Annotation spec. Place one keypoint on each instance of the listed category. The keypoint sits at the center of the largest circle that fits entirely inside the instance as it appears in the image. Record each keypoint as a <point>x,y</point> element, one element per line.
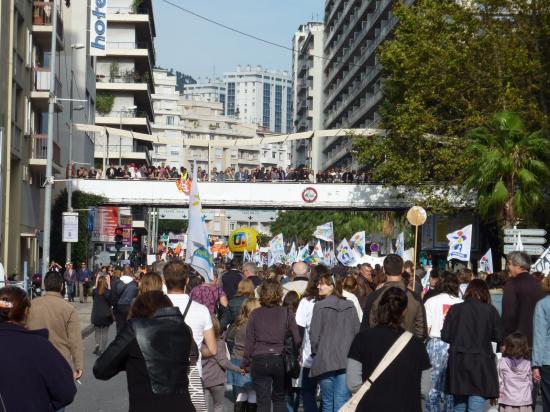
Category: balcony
<point>134,120</point>
<point>16,138</point>
<point>143,52</point>
<point>42,25</point>
<point>140,17</point>
<point>40,92</point>
<point>39,152</point>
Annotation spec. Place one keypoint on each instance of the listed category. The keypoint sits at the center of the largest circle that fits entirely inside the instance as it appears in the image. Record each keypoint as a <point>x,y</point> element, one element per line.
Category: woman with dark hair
<point>371,345</point>
<point>102,316</point>
<point>469,328</point>
<point>265,334</point>
<point>34,377</point>
<point>153,349</point>
<point>334,324</point>
<point>436,309</point>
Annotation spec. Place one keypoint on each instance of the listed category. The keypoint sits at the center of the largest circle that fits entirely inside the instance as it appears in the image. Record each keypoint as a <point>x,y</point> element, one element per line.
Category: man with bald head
<point>300,278</point>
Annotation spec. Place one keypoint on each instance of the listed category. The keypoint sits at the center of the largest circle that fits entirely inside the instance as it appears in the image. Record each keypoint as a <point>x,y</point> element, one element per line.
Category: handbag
<point>389,357</point>
<point>290,353</point>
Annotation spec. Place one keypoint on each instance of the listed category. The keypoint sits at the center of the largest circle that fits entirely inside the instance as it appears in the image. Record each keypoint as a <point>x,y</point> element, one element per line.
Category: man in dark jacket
<point>415,316</point>
<point>521,294</point>
<point>229,281</point>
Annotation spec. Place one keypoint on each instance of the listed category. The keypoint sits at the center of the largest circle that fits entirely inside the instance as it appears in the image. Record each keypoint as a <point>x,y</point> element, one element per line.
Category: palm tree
<point>508,169</point>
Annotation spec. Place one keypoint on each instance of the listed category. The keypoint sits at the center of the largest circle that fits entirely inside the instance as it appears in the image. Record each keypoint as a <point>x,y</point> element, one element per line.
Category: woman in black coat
<point>469,329</point>
<point>102,315</point>
<point>153,348</point>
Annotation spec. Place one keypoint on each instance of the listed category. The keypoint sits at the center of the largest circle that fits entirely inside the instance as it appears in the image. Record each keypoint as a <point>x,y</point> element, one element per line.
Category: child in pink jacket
<point>514,375</point>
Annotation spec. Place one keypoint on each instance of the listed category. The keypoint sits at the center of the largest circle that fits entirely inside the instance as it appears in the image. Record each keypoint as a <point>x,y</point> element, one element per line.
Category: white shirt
<point>197,318</point>
<point>351,297</point>
<point>304,313</point>
<point>436,310</point>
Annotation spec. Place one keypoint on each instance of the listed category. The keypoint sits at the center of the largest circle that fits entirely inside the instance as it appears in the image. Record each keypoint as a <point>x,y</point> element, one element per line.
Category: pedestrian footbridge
<point>269,195</point>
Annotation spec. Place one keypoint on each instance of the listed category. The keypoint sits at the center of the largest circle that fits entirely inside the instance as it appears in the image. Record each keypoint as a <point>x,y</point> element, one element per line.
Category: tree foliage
<point>173,225</point>
<point>447,70</point>
<point>80,251</point>
<point>509,168</point>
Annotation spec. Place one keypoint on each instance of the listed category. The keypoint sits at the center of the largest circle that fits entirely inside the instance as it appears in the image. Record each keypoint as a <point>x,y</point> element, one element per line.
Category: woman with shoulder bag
<point>385,358</point>
<point>265,343</point>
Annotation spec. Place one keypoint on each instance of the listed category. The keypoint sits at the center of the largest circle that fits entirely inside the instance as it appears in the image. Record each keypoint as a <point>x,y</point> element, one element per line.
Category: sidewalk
<point>84,312</point>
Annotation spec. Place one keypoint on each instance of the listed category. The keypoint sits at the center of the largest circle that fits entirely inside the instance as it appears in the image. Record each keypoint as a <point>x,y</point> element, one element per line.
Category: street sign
<point>173,214</point>
<point>529,249</point>
<point>524,232</point>
<point>525,240</point>
<point>70,227</point>
<point>126,249</point>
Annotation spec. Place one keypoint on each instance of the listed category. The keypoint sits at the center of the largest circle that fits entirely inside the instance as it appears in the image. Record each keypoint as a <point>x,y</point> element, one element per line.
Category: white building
<point>124,82</point>
<point>209,90</point>
<point>260,96</point>
<point>307,71</point>
<point>176,116</point>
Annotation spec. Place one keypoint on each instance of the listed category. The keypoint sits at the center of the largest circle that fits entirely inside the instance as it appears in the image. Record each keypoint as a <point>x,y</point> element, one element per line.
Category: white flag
<point>246,256</point>
<point>518,245</point>
<point>198,248</point>
<point>303,254</point>
<point>345,254</point>
<point>460,243</point>
<point>277,246</point>
<point>486,262</point>
<point>543,263</point>
<point>325,232</point>
<point>357,242</point>
<point>400,244</point>
<point>318,251</point>
<point>293,254</point>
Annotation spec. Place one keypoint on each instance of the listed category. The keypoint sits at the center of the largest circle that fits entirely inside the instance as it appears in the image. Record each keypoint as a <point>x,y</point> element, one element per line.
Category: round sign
<point>374,247</point>
<point>416,216</point>
<point>244,238</point>
<point>309,195</point>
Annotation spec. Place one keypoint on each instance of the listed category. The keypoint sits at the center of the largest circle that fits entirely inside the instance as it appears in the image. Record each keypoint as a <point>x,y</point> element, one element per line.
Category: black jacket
<point>34,377</point>
<point>154,352</point>
<point>469,328</point>
<point>102,314</point>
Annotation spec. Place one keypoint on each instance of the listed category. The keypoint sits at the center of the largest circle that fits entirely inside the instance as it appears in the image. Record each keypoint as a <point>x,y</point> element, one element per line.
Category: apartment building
<point>260,96</point>
<point>26,43</point>
<point>204,120</point>
<point>354,29</point>
<point>207,90</point>
<point>124,83</point>
<point>307,77</point>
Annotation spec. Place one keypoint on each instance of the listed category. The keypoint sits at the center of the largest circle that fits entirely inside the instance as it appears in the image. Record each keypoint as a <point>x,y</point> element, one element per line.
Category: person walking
<point>230,280</point>
<point>334,324</point>
<point>514,375</point>
<point>436,310</point>
<point>521,294</point>
<point>61,319</point>
<point>34,376</point>
<point>300,274</point>
<point>265,334</point>
<point>102,315</point>
<point>125,291</point>
<point>70,280</point>
<point>540,361</point>
<point>249,272</point>
<point>84,277</point>
<point>469,329</point>
<point>372,344</point>
<point>153,349</point>
<point>245,291</point>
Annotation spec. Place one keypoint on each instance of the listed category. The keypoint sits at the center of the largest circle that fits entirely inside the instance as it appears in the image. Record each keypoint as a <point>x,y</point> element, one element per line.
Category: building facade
<point>307,76</point>
<point>352,94</point>
<point>260,96</point>
<point>124,83</point>
<point>26,30</point>
<point>209,90</point>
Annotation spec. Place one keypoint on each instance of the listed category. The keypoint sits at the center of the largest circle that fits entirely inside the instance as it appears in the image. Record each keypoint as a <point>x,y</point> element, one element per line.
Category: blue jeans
<point>437,350</point>
<point>334,391</point>
<point>309,392</point>
<point>472,403</point>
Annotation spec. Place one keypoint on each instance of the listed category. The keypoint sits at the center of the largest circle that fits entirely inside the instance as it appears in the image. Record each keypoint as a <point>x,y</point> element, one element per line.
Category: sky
<point>199,48</point>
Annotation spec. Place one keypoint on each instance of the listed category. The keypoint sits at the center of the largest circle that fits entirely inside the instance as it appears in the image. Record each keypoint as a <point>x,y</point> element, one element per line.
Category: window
<point>230,99</point>
<point>278,107</point>
<point>169,120</point>
<point>267,105</point>
<point>273,155</point>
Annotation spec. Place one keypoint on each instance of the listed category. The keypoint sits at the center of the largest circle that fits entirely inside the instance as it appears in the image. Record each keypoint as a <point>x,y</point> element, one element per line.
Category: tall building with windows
<point>354,29</point>
<point>207,90</point>
<point>124,83</point>
<point>260,96</point>
<point>307,77</point>
<point>26,30</point>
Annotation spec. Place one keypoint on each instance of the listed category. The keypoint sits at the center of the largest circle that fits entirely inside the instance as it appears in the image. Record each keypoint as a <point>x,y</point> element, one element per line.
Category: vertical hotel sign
<point>98,27</point>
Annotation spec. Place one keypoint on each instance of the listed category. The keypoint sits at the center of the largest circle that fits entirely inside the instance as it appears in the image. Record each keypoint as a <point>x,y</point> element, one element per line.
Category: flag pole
<point>414,256</point>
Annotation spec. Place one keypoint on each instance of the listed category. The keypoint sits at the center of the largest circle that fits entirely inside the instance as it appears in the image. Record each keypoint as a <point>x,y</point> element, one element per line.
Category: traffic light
<point>136,243</point>
<point>118,238</point>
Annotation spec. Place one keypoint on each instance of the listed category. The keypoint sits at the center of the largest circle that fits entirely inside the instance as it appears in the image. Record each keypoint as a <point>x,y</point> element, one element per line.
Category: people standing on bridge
<point>34,376</point>
<point>334,324</point>
<point>153,349</point>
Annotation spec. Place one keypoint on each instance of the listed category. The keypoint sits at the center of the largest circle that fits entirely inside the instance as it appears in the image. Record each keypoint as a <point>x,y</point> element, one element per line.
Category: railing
<point>127,114</point>
<point>41,81</point>
<point>127,45</point>
<point>127,10</point>
<point>126,77</point>
<point>42,16</point>
<point>39,148</point>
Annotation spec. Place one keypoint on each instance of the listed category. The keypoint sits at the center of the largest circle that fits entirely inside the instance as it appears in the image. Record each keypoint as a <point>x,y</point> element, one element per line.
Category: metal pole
<point>49,153</point>
<point>2,233</point>
<point>68,246</point>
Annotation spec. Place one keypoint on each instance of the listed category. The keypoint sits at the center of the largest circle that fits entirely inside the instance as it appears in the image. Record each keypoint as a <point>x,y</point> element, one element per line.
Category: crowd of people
<point>285,338</point>
<point>241,174</point>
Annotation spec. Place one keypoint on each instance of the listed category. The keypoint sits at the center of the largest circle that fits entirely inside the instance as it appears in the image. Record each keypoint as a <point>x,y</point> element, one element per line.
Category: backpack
<point>127,294</point>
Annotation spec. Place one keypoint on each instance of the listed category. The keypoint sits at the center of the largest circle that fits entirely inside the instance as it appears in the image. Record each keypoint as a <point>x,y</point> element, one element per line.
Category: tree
<point>172,225</point>
<point>509,168</point>
<point>447,70</point>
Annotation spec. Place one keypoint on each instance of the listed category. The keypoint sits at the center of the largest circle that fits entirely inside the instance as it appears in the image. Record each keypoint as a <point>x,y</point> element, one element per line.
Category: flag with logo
<point>293,254</point>
<point>345,254</point>
<point>318,250</point>
<point>246,256</point>
<point>198,247</point>
<point>357,242</point>
<point>328,257</point>
<point>486,262</point>
<point>460,244</point>
<point>303,254</point>
<point>325,232</point>
<point>277,246</point>
<point>400,244</point>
